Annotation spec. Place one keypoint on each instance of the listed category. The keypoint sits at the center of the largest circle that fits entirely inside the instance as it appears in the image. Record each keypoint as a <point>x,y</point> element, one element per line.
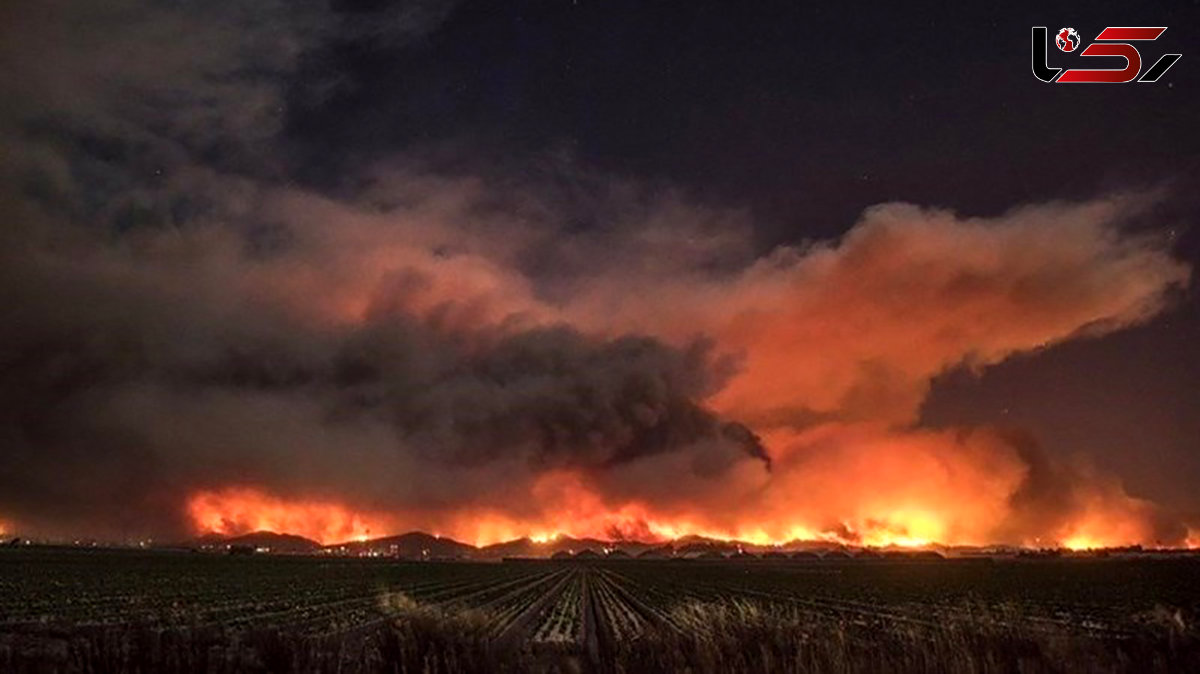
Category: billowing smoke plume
<point>189,341</point>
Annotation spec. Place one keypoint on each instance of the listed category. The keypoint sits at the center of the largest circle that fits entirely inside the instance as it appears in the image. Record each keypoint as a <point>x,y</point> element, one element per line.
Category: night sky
<point>789,118</point>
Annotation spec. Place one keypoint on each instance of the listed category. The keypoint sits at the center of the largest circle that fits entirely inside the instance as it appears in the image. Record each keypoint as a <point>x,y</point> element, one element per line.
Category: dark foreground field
<point>123,611</point>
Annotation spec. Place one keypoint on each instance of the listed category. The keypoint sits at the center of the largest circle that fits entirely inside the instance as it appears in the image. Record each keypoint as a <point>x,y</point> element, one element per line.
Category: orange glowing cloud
<point>856,329</point>
<point>371,265</point>
<point>838,343</point>
<point>883,486</point>
<point>835,346</point>
<point>1108,517</point>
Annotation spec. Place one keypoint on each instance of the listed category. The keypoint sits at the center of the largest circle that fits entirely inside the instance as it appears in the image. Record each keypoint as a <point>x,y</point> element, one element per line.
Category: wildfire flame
<point>239,510</point>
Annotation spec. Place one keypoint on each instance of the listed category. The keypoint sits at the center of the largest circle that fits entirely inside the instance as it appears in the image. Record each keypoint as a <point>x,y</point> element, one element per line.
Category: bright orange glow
<point>566,504</point>
<point>906,529</point>
<point>573,509</point>
<point>1090,535</point>
<point>240,510</point>
<point>236,511</point>
<point>1109,518</point>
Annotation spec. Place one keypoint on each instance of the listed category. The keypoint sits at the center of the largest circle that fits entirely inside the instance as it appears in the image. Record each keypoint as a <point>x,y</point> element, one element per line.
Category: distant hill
<point>271,541</point>
<point>421,545</point>
<point>204,541</point>
<point>520,547</point>
<point>692,545</point>
<point>412,545</point>
<point>635,548</point>
<point>525,547</point>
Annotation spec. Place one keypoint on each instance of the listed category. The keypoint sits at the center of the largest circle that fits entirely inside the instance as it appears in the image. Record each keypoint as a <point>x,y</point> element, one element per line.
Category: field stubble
<point>110,611</point>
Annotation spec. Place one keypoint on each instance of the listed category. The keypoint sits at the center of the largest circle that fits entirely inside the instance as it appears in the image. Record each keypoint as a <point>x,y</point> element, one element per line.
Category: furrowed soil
<point>74,610</point>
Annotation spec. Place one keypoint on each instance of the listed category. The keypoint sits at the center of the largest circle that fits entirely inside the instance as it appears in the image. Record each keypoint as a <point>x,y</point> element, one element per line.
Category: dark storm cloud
<point>124,113</point>
<point>567,400</point>
<point>112,101</point>
<point>105,346</point>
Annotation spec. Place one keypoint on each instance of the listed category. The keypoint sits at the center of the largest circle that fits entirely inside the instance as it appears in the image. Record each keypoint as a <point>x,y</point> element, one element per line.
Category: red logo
<point>1067,39</point>
<point>1112,41</point>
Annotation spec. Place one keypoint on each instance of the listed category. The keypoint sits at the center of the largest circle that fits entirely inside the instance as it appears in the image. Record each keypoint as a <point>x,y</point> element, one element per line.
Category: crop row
<point>593,608</point>
<point>838,603</point>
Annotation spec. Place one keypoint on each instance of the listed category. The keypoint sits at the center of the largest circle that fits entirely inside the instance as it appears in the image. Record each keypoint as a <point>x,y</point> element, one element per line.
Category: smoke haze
<point>191,341</point>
